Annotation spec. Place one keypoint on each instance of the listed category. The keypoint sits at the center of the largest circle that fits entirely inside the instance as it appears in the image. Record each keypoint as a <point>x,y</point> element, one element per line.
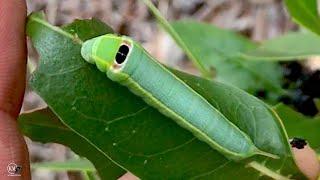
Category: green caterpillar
<point>127,63</point>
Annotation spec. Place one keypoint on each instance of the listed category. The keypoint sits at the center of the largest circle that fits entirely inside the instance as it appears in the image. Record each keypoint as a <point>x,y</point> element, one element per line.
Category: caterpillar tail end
<point>273,156</point>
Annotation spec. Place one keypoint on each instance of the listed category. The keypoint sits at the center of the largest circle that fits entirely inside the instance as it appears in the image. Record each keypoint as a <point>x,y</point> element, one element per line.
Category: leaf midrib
<point>57,29</point>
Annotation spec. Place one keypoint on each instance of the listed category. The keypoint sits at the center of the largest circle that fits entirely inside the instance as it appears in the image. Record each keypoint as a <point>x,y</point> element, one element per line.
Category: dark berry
<point>285,99</point>
<point>292,71</point>
<point>298,143</point>
<point>311,86</point>
<point>305,104</point>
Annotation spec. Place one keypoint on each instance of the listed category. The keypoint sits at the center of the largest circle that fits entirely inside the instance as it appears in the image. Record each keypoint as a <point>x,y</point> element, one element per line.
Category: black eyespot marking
<point>124,49</point>
<point>120,58</point>
<point>122,54</point>
<point>298,143</point>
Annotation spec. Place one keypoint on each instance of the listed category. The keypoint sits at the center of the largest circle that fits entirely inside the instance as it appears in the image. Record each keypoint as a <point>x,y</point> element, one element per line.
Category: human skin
<point>13,52</point>
<point>13,55</point>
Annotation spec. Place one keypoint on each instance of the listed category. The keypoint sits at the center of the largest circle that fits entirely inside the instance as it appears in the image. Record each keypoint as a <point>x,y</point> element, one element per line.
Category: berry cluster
<point>303,86</point>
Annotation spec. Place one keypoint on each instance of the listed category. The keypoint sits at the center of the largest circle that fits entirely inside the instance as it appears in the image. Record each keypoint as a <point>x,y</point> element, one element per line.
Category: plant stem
<point>169,29</point>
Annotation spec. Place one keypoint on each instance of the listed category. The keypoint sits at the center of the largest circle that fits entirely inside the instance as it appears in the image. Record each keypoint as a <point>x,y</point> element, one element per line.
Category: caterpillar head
<point>107,51</point>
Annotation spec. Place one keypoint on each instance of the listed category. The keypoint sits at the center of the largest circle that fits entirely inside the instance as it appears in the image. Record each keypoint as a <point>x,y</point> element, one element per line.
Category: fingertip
<point>305,158</point>
<point>13,149</point>
<point>128,176</point>
<point>12,55</point>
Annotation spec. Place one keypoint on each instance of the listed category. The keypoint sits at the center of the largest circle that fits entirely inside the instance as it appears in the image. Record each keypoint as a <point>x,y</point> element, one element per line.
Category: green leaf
<point>139,138</point>
<point>305,13</point>
<point>167,27</point>
<point>289,47</point>
<point>42,125</point>
<point>298,125</point>
<point>220,49</point>
<point>70,165</point>
<point>88,28</point>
